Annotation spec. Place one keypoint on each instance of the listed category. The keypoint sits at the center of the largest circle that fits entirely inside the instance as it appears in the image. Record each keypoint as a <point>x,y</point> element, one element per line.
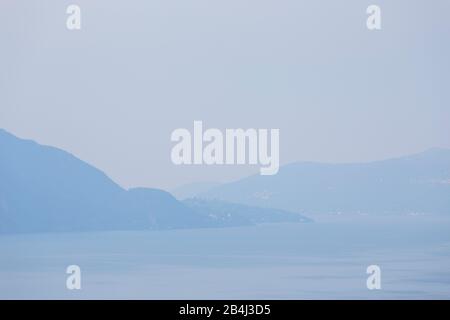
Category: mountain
<point>415,184</point>
<point>45,189</point>
<point>233,214</point>
<point>190,190</point>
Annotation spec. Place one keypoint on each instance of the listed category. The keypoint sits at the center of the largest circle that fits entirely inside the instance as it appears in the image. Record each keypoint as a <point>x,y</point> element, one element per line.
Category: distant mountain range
<point>416,184</point>
<point>192,189</point>
<point>232,214</point>
<point>44,189</point>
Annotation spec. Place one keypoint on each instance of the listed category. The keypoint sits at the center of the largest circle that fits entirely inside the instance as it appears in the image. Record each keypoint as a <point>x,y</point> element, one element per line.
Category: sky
<point>112,92</point>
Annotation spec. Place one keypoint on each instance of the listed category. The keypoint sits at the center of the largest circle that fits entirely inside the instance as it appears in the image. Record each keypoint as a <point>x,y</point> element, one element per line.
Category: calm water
<point>326,259</point>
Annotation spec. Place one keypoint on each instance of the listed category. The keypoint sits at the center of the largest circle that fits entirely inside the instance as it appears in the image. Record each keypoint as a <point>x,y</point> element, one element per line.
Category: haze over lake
<point>224,149</point>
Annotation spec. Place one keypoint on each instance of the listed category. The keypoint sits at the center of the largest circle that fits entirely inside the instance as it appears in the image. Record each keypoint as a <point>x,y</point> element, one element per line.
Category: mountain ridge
<point>409,184</point>
<point>43,188</point>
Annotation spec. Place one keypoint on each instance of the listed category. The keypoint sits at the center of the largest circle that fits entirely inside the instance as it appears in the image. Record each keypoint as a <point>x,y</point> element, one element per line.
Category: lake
<point>326,259</point>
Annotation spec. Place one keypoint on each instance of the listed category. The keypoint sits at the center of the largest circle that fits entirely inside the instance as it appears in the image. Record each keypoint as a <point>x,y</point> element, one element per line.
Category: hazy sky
<point>113,92</point>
